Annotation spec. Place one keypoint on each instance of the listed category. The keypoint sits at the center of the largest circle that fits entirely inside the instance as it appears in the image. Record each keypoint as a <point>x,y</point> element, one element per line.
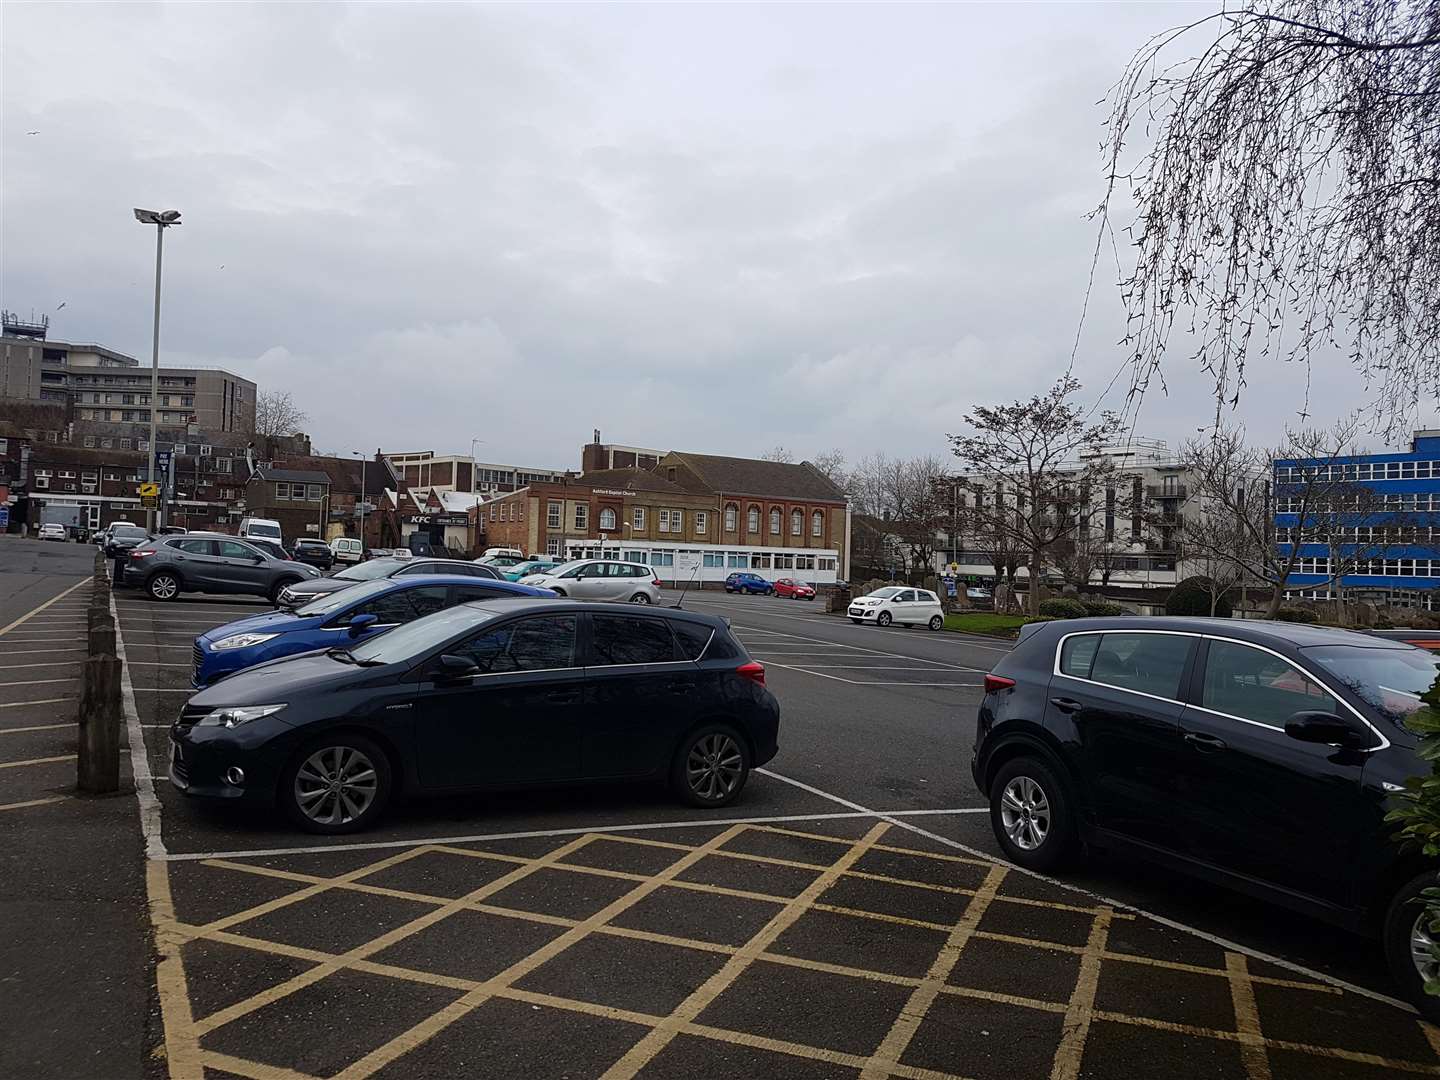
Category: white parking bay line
<point>41,701</point>
<point>34,652</point>
<point>40,682</point>
<point>867,682</point>
<point>156,663</point>
<point>48,663</point>
<point>164,689</point>
<point>321,849</point>
<point>878,652</point>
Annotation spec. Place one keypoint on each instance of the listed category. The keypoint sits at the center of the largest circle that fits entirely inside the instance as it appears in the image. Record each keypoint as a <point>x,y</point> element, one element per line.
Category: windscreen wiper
<point>341,654</point>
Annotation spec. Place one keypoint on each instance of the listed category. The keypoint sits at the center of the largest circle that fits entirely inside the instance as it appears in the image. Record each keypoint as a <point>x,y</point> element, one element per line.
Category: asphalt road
<point>845,918</point>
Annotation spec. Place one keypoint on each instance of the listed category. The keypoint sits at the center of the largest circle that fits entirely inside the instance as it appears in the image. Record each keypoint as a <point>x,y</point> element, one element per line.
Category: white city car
<point>898,604</point>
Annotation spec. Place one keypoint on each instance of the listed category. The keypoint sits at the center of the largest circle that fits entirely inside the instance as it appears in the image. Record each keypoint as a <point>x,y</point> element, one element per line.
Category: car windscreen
<point>564,568</point>
<point>367,571</point>
<point>1392,680</point>
<point>414,639</point>
<point>268,531</point>
<point>886,593</point>
<point>129,532</point>
<point>331,602</point>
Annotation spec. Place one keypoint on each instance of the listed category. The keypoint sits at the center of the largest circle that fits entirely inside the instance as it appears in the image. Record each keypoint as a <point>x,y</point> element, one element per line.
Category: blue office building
<point>1400,574</point>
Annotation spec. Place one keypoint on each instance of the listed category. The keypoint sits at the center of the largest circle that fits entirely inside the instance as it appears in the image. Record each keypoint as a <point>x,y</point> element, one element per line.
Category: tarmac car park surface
<point>846,917</point>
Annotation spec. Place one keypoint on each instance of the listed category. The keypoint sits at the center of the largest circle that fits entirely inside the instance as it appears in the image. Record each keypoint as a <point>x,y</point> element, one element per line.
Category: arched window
<point>817,523</point>
<point>797,522</point>
<point>607,519</point>
<point>752,519</point>
<point>732,517</point>
<point>775,521</point>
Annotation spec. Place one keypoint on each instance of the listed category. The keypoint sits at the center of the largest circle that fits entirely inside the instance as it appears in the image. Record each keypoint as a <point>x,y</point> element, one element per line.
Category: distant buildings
<point>1393,553</point>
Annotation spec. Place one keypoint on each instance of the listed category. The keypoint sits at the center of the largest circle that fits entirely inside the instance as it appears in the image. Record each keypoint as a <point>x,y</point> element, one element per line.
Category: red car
<point>796,590</point>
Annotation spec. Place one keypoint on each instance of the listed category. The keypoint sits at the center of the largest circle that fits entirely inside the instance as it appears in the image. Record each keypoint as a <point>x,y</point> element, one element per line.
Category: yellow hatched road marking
<point>1247,1017</point>
<point>1081,1010</point>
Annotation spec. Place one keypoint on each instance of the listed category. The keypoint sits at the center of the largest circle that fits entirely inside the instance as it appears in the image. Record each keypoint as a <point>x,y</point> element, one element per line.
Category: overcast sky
<point>710,228</point>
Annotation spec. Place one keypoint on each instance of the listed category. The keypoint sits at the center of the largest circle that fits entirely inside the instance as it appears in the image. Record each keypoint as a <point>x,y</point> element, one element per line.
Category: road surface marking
<point>36,610</point>
<point>41,701</point>
<point>39,682</point>
<point>1080,1012</point>
<point>35,727</point>
<point>36,761</point>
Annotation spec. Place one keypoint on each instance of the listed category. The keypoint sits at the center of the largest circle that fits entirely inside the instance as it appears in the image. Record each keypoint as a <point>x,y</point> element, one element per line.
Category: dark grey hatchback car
<point>1262,756</point>
<point>166,566</point>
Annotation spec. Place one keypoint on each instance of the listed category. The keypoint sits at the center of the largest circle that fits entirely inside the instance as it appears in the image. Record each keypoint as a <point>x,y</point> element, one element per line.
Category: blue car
<point>340,618</point>
<point>748,583</point>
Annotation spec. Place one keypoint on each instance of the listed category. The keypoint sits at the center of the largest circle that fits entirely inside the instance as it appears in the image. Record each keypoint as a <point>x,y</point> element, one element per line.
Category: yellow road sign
<point>149,491</point>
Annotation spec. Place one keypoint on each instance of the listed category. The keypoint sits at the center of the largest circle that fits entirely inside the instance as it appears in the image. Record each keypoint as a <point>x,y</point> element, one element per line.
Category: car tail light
<point>140,553</point>
<point>754,671</point>
<point>656,583</point>
<point>994,683</point>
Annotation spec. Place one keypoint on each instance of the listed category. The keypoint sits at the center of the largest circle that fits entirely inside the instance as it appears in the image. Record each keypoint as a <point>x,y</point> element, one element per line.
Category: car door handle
<point>1065,704</point>
<point>563,697</point>
<point>1206,744</point>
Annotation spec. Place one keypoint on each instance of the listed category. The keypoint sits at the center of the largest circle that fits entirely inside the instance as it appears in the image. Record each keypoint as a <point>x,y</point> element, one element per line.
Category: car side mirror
<point>453,668</point>
<point>360,623</point>
<point>1327,728</point>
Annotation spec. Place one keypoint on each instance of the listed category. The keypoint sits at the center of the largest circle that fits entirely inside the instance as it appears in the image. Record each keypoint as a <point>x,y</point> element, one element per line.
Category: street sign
<point>149,502</point>
<point>149,490</point>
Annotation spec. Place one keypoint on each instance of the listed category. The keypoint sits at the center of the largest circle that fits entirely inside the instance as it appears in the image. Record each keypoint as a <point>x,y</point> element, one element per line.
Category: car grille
<point>188,717</point>
<point>178,769</point>
<point>197,658</point>
<point>287,597</point>
<point>858,610</point>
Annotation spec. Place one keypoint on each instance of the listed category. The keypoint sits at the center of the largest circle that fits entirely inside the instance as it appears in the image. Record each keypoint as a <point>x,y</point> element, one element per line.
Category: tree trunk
<point>1277,599</point>
<point>1034,598</point>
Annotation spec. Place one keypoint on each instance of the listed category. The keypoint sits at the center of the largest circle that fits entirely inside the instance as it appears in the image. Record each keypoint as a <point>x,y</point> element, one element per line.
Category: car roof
<point>1260,631</point>
<point>526,592</point>
<point>523,605</point>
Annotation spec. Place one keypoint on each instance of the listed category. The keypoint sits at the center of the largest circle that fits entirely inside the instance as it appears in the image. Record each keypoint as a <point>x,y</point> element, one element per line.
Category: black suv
<point>166,566</point>
<point>1263,756</point>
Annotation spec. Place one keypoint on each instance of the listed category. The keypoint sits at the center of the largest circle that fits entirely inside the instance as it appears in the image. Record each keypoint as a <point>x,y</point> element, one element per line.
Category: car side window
<point>389,609</point>
<point>194,547</point>
<point>414,569</point>
<point>428,600</point>
<point>528,645</point>
<point>623,639</point>
<point>466,593</point>
<point>1147,663</point>
<point>906,597</point>
<point>1256,685</point>
<point>229,549</point>
<point>1077,654</point>
<point>926,597</point>
<point>692,638</point>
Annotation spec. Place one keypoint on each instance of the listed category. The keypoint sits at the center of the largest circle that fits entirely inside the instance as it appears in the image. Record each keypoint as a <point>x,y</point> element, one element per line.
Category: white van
<point>261,529</point>
<point>514,553</point>
<point>347,549</point>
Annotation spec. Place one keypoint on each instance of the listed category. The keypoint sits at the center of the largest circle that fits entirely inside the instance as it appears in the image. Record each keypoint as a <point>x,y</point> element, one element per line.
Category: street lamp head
<point>157,217</point>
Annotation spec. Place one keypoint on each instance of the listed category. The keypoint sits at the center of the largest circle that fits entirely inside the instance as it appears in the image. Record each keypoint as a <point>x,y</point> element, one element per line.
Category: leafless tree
<point>871,486</point>
<point>778,453</point>
<point>832,463</point>
<point>1305,487</point>
<point>1287,192</point>
<point>1030,455</point>
<point>276,414</point>
<point>920,490</point>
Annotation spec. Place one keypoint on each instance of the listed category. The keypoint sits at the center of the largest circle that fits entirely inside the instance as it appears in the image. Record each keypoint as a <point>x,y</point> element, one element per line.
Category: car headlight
<point>311,570</point>
<point>235,715</point>
<point>241,641</point>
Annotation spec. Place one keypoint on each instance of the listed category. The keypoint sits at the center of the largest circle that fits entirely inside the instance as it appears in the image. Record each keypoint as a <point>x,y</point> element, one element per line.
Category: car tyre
<point>711,766</point>
<point>360,767</point>
<point>883,619</point>
<point>162,586</point>
<point>1030,814</point>
<point>937,622</point>
<point>640,598</point>
<point>1403,935</point>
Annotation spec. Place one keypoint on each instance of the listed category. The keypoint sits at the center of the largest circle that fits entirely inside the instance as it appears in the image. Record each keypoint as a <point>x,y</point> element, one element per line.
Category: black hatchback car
<point>491,694</point>
<point>304,591</point>
<point>1263,756</point>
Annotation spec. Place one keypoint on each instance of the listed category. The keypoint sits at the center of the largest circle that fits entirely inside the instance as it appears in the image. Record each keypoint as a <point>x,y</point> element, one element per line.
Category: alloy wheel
<point>1025,813</point>
<point>640,598</point>
<point>163,587</point>
<point>1422,950</point>
<point>336,785</point>
<point>714,766</point>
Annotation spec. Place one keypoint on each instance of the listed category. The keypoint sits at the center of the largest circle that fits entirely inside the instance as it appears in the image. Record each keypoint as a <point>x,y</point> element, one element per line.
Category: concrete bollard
<point>99,756</point>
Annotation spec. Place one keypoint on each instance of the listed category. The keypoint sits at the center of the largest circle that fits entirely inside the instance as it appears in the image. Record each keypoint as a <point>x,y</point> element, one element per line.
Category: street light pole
<point>475,491</point>
<point>362,502</point>
<point>162,220</point>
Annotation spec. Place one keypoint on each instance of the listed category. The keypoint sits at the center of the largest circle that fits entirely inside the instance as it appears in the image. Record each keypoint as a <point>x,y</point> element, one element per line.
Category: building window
<point>492,513</point>
<point>107,444</point>
<point>817,523</point>
<point>664,520</point>
<point>552,517</point>
<point>677,521</point>
<point>204,450</point>
<point>112,476</point>
<point>752,519</point>
<point>552,547</point>
<point>775,522</point>
<point>582,516</point>
<point>732,517</point>
<point>637,517</point>
<point>797,522</point>
<point>702,521</point>
<point>315,492</point>
<point>826,563</point>
<point>90,442</point>
<point>607,519</point>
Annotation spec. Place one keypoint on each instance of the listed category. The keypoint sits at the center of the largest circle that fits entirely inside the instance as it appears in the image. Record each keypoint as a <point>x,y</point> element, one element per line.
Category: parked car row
<point>747,583</point>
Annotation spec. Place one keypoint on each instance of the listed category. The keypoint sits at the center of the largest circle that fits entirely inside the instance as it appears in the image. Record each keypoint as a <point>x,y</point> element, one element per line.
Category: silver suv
<point>166,566</point>
<point>600,579</point>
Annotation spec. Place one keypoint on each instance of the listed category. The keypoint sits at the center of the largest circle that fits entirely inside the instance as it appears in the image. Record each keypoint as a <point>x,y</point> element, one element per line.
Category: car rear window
<point>693,637</point>
<point>1145,663</point>
<point>1392,680</point>
<point>624,639</point>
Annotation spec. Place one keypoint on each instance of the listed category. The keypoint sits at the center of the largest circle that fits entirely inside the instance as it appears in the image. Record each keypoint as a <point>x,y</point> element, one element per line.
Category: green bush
<point>1296,614</point>
<point>1063,607</point>
<point>1102,608</point>
<point>1192,597</point>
